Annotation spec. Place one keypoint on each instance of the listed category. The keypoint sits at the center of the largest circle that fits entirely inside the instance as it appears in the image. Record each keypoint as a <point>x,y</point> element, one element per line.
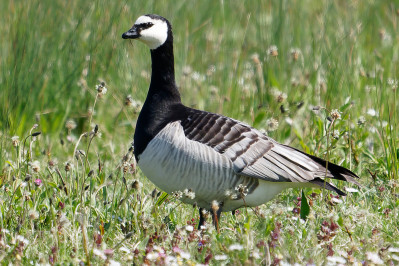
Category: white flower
<point>372,112</point>
<point>221,257</point>
<point>189,193</point>
<point>15,141</point>
<point>335,134</point>
<point>272,50</point>
<point>152,256</point>
<point>22,239</point>
<point>101,89</point>
<point>351,190</point>
<point>185,255</point>
<point>33,214</point>
<point>114,263</point>
<point>189,228</point>
<point>335,114</point>
<point>374,258</point>
<point>99,254</point>
<point>70,124</point>
<point>35,166</point>
<point>242,189</point>
<point>272,124</point>
<point>361,120</point>
<point>235,247</point>
<point>336,260</point>
<point>177,194</point>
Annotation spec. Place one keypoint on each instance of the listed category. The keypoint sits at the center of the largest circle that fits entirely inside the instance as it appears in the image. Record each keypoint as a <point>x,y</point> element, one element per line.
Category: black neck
<point>163,72</point>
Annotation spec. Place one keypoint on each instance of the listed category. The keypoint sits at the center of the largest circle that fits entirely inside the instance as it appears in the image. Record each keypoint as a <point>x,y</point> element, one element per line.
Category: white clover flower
<point>242,189</point>
<point>189,228</point>
<point>152,256</point>
<point>177,194</point>
<point>372,112</point>
<point>272,124</point>
<point>221,257</point>
<point>335,134</point>
<point>374,258</point>
<point>189,193</point>
<point>22,239</point>
<point>185,255</point>
<point>235,247</point>
<point>99,254</point>
<point>393,83</point>
<point>361,120</point>
<point>101,89</point>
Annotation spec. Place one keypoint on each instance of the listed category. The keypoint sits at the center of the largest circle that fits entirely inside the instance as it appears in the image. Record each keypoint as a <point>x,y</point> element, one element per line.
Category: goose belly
<point>175,163</point>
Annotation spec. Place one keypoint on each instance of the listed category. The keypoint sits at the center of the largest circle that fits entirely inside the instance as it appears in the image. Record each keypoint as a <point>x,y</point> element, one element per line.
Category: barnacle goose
<point>223,161</point>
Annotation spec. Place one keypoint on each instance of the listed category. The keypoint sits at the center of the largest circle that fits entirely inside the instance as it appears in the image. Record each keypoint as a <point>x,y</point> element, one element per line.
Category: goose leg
<point>216,218</point>
<point>202,218</point>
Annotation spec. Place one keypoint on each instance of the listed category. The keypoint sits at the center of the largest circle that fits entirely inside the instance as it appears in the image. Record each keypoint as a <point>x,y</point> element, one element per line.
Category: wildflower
<point>177,194</point>
<point>152,256</point>
<point>99,254</point>
<point>272,50</point>
<point>109,253</point>
<point>185,255</point>
<point>22,239</point>
<point>374,258</point>
<point>281,97</point>
<point>235,247</point>
<point>372,112</point>
<point>70,124</point>
<point>393,83</point>
<point>15,141</point>
<point>35,166</point>
<point>335,134</point>
<point>33,214</point>
<point>52,163</point>
<point>189,193</point>
<point>136,184</point>
<point>38,182</point>
<point>272,124</point>
<point>221,257</point>
<point>187,70</point>
<point>335,114</point>
<point>215,205</point>
<point>242,189</point>
<point>189,228</point>
<point>101,89</point>
<point>129,101</point>
<point>68,166</point>
<point>361,120</point>
<point>295,53</point>
<point>231,195</point>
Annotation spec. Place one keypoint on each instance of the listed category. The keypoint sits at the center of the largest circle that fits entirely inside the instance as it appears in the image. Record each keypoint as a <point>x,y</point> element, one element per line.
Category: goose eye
<point>146,25</point>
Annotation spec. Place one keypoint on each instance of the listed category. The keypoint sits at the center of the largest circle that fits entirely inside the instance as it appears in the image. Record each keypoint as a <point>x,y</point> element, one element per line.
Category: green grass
<point>53,54</point>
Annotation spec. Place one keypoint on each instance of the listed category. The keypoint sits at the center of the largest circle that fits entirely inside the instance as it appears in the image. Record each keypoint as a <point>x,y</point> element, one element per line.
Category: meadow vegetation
<point>321,76</point>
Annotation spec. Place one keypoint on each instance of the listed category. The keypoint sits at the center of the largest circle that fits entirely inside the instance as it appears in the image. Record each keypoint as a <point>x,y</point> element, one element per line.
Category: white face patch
<point>155,35</point>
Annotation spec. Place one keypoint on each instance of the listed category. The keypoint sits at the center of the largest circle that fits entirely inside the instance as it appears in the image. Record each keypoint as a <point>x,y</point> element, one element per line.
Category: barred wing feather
<point>256,155</point>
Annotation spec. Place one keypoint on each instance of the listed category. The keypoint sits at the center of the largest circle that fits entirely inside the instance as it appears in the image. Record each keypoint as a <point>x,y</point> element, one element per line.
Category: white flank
<point>175,163</point>
<point>154,36</point>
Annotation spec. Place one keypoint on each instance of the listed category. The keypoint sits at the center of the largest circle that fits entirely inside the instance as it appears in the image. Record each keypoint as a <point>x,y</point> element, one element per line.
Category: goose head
<point>153,30</point>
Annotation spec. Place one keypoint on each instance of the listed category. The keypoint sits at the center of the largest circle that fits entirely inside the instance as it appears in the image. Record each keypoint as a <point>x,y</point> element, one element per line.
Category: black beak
<point>131,34</point>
